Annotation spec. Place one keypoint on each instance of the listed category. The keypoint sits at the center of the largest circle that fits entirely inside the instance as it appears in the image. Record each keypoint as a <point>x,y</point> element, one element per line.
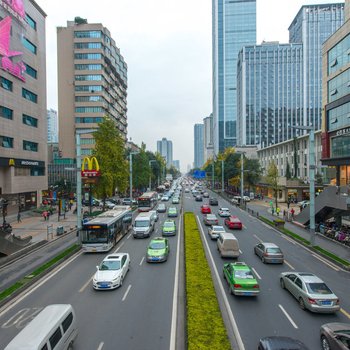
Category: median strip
<point>205,326</point>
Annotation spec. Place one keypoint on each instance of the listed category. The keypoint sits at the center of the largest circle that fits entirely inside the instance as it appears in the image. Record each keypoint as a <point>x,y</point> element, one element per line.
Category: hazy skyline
<point>167,46</point>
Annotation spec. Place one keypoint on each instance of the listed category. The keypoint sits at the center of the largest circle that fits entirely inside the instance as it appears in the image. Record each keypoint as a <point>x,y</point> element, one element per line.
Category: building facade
<point>52,126</point>
<point>176,164</point>
<point>312,26</point>
<point>208,137</point>
<point>198,145</point>
<point>23,127</point>
<point>165,149</point>
<point>92,83</point>
<point>269,98</point>
<point>336,103</point>
<point>233,26</point>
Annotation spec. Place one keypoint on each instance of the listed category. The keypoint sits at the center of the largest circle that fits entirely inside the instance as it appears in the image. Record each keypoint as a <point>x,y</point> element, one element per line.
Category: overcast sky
<point>167,46</point>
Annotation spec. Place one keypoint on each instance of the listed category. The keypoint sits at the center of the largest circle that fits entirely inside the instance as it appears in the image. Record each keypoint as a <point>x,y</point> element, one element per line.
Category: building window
<point>31,71</point>
<point>92,98</point>
<point>28,95</point>
<point>30,21</point>
<point>90,77</point>
<point>87,141</point>
<point>6,84</point>
<point>6,113</point>
<point>30,146</point>
<point>88,66</point>
<point>87,45</point>
<point>37,171</point>
<point>31,121</point>
<point>88,109</point>
<point>6,142</point>
<point>86,152</point>
<point>88,88</point>
<point>29,45</point>
<point>88,34</point>
<point>88,120</point>
<point>88,56</point>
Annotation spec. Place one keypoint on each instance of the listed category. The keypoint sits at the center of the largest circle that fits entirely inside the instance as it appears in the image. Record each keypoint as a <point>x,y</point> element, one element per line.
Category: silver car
<point>310,291</point>
<point>214,231</point>
<point>269,253</point>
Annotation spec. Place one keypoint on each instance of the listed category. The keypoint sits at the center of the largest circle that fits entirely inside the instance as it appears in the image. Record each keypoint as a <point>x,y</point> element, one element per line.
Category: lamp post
<point>150,174</point>
<point>130,168</point>
<point>222,176</point>
<point>78,149</point>
<point>312,167</point>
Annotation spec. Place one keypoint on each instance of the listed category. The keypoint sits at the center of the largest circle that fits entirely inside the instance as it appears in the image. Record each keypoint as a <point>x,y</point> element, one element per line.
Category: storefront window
<point>340,146</point>
<point>344,175</point>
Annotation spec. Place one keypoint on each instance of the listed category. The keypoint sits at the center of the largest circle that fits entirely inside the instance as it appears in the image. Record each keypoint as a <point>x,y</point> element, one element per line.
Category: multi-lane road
<point>142,313</point>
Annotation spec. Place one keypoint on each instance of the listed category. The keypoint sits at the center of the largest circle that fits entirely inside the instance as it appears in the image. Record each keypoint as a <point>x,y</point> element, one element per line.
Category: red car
<point>233,223</point>
<point>205,209</point>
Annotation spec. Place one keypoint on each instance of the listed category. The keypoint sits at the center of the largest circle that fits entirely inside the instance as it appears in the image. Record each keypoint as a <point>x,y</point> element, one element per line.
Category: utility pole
<point>222,176</point>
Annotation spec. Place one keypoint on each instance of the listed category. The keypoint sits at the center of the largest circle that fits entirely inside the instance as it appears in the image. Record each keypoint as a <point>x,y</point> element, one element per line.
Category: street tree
<point>252,172</point>
<point>272,179</point>
<point>140,169</point>
<point>109,151</point>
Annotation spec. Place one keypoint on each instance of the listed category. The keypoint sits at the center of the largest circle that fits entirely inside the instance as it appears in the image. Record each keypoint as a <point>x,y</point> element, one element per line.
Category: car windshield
<point>110,265</point>
<point>172,210</point>
<point>318,288</point>
<point>224,209</point>
<point>157,245</point>
<point>161,206</point>
<point>211,217</point>
<point>244,274</point>
<point>168,224</point>
<point>218,228</point>
<point>273,250</point>
<point>144,223</point>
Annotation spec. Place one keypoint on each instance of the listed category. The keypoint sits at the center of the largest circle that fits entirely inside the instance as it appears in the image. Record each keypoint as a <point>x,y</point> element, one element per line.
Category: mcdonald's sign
<point>90,167</point>
<point>11,162</point>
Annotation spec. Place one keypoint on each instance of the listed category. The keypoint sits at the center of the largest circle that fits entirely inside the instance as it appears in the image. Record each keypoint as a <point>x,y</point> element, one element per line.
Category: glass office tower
<point>312,26</point>
<point>198,145</point>
<point>234,26</point>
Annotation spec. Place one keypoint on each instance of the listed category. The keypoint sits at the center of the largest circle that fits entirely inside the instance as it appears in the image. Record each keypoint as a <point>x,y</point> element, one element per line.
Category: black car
<point>278,343</point>
<point>213,201</point>
<point>199,198</point>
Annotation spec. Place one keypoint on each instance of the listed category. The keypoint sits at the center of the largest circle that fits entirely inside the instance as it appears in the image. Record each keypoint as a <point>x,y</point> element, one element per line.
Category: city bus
<point>101,233</point>
<point>147,201</point>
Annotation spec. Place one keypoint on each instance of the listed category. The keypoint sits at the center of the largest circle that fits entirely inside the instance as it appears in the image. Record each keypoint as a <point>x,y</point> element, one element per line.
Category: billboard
<point>199,174</point>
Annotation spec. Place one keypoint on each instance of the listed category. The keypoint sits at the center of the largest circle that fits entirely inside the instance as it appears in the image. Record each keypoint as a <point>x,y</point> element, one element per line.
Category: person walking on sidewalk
<point>45,215</point>
<point>278,211</point>
<point>272,210</point>
<point>292,212</point>
<point>19,217</point>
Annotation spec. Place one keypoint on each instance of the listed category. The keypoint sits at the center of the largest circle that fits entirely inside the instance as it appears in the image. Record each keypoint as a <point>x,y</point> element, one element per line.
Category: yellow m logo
<point>11,162</point>
<point>89,164</point>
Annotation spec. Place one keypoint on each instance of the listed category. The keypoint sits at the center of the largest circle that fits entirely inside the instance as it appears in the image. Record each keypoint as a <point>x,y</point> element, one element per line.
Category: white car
<point>214,231</point>
<point>111,272</point>
<point>224,212</point>
<point>165,198</point>
<point>246,198</point>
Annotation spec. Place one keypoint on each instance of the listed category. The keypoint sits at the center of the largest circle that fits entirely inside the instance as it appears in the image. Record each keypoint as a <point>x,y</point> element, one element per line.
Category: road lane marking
<point>227,305</point>
<point>288,317</point>
<point>143,258</point>
<point>257,275</point>
<point>240,252</point>
<point>175,296</point>
<point>325,262</point>
<point>289,240</point>
<point>259,239</point>
<point>101,345</point>
<point>129,236</point>
<point>86,284</point>
<point>288,264</point>
<point>121,244</point>
<point>126,293</point>
<point>345,313</point>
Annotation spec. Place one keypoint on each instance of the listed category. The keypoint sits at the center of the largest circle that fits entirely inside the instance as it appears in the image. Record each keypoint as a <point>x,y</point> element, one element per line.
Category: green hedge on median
<point>205,326</point>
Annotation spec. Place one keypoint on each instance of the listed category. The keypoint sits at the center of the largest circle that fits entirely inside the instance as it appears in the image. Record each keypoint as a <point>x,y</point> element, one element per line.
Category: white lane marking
<point>175,296</point>
<point>86,284</point>
<point>244,226</point>
<point>228,308</point>
<point>287,263</point>
<point>129,236</point>
<point>143,258</point>
<point>260,240</point>
<point>289,240</point>
<point>101,345</point>
<point>326,262</point>
<point>22,296</point>
<point>126,293</point>
<point>240,252</point>
<point>121,244</point>
<point>257,275</point>
<point>287,315</point>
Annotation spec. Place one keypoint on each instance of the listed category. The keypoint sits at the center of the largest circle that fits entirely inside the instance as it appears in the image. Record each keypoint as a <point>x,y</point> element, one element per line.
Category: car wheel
<point>282,283</point>
<point>121,281</point>
<point>324,343</point>
<point>263,260</point>
<point>231,290</point>
<point>301,303</point>
<point>224,275</point>
<point>70,346</point>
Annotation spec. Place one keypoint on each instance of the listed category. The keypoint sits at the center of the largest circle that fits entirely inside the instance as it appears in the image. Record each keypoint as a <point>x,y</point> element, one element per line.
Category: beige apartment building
<point>23,126</point>
<point>92,83</point>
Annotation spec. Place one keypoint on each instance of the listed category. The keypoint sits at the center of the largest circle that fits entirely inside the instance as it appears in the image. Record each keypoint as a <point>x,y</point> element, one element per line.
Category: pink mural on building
<point>17,6</point>
<point>16,69</point>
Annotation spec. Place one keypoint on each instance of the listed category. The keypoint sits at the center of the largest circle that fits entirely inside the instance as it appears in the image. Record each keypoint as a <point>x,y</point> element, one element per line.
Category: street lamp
<point>130,168</point>
<point>312,167</point>
<point>150,174</point>
<point>242,174</point>
<point>222,176</point>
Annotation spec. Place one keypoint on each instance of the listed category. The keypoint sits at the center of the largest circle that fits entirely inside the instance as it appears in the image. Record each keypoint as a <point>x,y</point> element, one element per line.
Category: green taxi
<point>172,212</point>
<point>158,250</point>
<point>241,279</point>
<point>169,228</point>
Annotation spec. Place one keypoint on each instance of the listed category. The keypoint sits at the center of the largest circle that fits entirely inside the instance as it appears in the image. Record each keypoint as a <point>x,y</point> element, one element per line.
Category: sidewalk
<point>263,207</point>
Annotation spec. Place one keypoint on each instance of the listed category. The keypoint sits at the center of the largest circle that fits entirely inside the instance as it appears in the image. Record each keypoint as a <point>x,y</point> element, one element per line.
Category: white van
<point>55,327</point>
<point>228,246</point>
<point>143,225</point>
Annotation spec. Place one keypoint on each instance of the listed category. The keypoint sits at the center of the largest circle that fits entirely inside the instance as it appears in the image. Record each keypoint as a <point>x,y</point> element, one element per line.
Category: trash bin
<point>59,230</point>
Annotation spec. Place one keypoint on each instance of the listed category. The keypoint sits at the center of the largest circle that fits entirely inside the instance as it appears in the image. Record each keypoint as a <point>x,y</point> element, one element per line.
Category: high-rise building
<point>23,128</point>
<point>233,26</point>
<point>269,90</point>
<point>312,26</point>
<point>176,164</point>
<point>92,83</point>
<point>52,126</point>
<point>198,145</point>
<point>208,137</point>
<point>165,149</point>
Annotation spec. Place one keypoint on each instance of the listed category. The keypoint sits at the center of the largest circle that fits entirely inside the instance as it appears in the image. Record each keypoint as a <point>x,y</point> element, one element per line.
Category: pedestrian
<point>278,211</point>
<point>272,210</point>
<point>292,212</point>
<point>45,215</point>
<point>19,217</point>
<point>284,213</point>
<point>288,203</point>
<point>48,216</point>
